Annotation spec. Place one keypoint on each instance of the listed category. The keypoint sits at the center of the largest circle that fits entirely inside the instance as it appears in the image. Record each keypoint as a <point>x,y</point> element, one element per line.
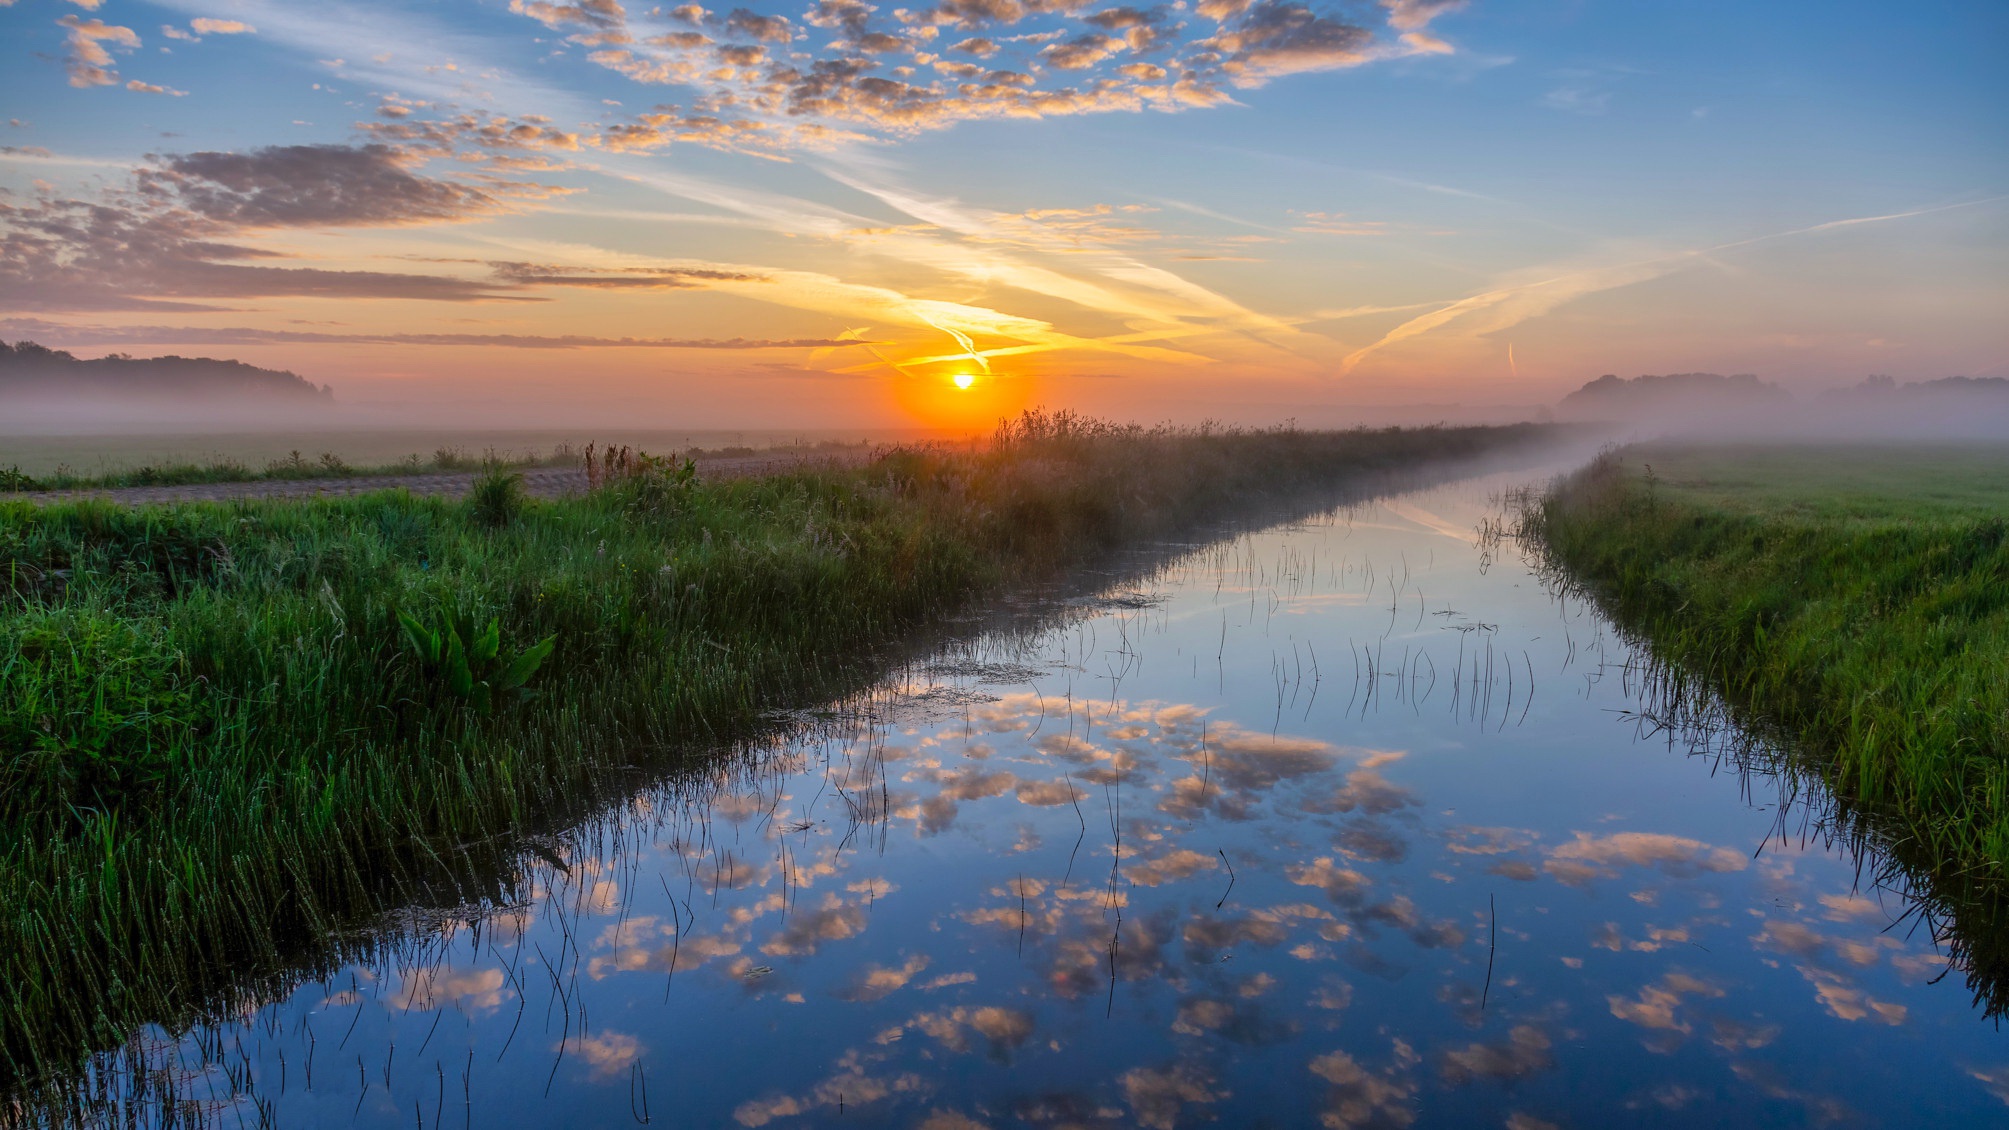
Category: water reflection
<point>1171,858</point>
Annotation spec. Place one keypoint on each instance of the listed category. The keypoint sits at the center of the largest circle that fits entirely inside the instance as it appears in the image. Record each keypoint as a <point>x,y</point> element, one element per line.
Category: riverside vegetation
<point>1854,599</point>
<point>230,732</point>
<point>296,467</point>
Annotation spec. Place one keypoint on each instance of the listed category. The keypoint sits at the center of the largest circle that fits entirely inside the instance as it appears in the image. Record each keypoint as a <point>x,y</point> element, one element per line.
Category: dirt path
<point>541,482</point>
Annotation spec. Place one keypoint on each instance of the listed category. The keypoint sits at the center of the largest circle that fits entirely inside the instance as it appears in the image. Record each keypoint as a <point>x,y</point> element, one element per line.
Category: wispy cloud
<point>59,333</point>
<point>1509,305</point>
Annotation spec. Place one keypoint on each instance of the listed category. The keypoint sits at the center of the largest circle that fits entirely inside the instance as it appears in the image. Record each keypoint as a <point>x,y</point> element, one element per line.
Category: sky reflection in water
<point>1326,826</point>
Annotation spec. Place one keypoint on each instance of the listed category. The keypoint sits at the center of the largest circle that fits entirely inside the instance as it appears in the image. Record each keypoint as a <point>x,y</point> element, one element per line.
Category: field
<point>1855,600</point>
<point>64,462</point>
<point>386,692</point>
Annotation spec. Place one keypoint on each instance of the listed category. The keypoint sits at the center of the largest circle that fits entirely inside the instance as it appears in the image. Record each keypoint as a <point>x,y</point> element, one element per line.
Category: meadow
<point>68,462</point>
<point>1851,600</point>
<point>231,732</point>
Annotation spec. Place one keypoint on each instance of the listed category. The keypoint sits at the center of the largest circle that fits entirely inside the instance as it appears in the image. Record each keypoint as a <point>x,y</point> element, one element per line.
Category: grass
<point>1856,599</point>
<point>293,466</point>
<point>311,670</point>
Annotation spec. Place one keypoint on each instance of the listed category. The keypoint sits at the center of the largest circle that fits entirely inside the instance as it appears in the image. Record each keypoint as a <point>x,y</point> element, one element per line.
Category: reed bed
<point>225,738</point>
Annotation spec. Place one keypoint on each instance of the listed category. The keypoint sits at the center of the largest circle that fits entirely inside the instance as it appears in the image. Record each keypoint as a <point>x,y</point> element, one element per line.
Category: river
<point>1350,822</point>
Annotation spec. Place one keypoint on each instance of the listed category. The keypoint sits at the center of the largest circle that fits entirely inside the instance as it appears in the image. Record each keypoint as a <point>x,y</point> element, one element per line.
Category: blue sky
<point>834,211</point>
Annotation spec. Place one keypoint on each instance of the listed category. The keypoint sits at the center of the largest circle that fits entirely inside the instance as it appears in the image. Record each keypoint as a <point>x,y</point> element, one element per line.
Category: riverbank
<point>373,692</point>
<point>1856,598</point>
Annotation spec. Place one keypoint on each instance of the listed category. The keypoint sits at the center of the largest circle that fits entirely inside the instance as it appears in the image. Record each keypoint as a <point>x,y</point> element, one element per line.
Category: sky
<point>834,213</point>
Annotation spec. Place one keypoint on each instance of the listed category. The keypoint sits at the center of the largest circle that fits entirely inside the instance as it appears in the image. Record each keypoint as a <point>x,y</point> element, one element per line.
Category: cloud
<point>806,931</point>
<point>1276,38</point>
<point>877,981</point>
<point>177,233</point>
<point>149,88</point>
<point>745,24</point>
<point>1336,223</point>
<point>1657,1007</point>
<point>441,137</point>
<point>1004,1030</point>
<point>203,25</point>
<point>1588,857</point>
<point>1845,1001</point>
<point>197,335</point>
<point>481,990</point>
<point>609,1052</point>
<point>136,254</point>
<point>89,62</point>
<point>1158,1096</point>
<point>1359,1098</point>
<point>1342,885</point>
<point>618,278</point>
<point>1416,15</point>
<point>1524,1052</point>
<point>314,186</point>
<point>758,79</point>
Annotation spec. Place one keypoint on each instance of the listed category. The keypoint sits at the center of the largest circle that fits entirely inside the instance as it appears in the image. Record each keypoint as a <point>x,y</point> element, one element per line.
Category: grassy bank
<point>220,740</point>
<point>1855,598</point>
<point>296,467</point>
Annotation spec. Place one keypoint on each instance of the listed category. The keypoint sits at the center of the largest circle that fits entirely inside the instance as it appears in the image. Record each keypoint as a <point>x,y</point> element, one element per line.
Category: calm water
<point>1338,824</point>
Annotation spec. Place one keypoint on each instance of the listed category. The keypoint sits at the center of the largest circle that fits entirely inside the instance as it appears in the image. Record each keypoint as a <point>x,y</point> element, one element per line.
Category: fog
<point>1708,406</point>
<point>95,414</point>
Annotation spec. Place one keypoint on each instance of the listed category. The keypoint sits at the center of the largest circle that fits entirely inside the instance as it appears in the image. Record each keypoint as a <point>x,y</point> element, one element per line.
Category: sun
<point>964,380</point>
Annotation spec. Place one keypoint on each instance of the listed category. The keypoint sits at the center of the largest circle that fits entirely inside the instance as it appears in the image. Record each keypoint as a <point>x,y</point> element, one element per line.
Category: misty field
<point>1855,598</point>
<point>68,462</point>
<point>380,693</point>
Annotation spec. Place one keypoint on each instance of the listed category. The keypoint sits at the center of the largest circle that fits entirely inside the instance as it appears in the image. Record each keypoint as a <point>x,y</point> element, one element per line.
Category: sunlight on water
<point>1350,823</point>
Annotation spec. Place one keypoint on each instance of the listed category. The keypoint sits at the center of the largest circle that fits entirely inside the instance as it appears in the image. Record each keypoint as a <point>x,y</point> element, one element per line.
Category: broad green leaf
<point>485,645</point>
<point>459,679</point>
<point>424,640</point>
<point>525,665</point>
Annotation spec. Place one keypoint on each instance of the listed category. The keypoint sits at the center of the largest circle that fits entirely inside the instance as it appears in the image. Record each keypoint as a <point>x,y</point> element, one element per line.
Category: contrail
<point>963,339</point>
<point>1621,275</point>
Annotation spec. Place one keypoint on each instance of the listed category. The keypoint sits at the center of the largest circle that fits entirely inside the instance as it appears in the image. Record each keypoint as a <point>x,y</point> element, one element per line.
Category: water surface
<point>1347,823</point>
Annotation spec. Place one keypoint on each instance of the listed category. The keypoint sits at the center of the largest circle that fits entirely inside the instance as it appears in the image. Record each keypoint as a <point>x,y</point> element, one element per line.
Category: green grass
<point>1838,483</point>
<point>221,742</point>
<point>99,457</point>
<point>290,467</point>
<point>294,466</point>
<point>1856,599</point>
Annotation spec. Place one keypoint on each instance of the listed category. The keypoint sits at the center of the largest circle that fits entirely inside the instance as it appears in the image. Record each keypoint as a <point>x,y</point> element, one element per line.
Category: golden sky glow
<point>840,214</point>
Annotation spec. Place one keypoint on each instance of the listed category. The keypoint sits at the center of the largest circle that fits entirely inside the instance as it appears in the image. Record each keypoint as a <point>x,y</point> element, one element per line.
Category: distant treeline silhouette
<point>1949,405</point>
<point>1614,390</point>
<point>31,370</point>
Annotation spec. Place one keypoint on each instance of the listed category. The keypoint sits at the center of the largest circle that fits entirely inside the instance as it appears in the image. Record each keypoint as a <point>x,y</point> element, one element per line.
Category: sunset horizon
<point>862,216</point>
<point>1004,564</point>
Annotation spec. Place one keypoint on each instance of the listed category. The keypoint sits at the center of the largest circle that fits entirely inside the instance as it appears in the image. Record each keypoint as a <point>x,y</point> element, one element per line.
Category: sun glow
<point>964,380</point>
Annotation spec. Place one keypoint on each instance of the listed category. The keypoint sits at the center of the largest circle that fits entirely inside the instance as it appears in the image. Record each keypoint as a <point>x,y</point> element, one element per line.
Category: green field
<point>1854,598</point>
<point>228,731</point>
<point>1854,484</point>
<point>68,462</point>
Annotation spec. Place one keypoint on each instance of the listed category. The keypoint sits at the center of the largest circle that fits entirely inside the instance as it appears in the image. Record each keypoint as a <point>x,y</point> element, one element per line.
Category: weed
<point>475,670</point>
<point>496,498</point>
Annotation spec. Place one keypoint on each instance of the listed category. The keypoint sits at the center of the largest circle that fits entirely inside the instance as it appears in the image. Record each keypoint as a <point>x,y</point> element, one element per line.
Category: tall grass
<point>219,742</point>
<point>1876,644</point>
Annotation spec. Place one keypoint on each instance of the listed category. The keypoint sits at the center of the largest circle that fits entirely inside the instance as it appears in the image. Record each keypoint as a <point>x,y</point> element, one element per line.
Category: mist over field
<point>1709,406</point>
